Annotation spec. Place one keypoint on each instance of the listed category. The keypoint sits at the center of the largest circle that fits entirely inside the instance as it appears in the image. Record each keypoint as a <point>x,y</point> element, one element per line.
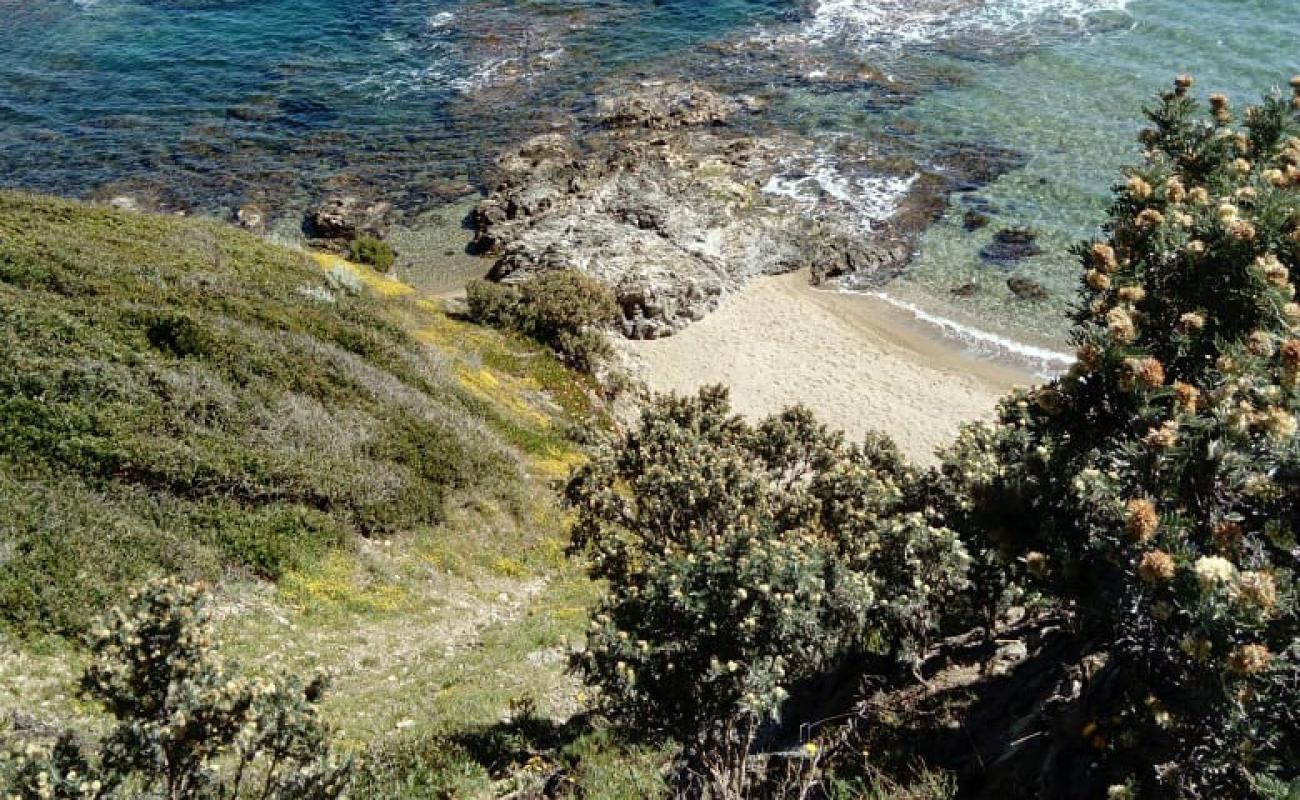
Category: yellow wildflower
<point>1250,659</point>
<point>1257,589</point>
<point>1214,570</point>
<point>1139,188</point>
<point>1149,218</point>
<point>1121,326</point>
<point>1132,294</point>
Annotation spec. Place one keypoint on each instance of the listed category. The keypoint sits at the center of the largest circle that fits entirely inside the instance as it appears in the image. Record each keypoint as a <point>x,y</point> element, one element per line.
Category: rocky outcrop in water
<point>661,107</point>
<point>339,219</point>
<point>1027,289</point>
<point>1010,245</point>
<point>674,208</point>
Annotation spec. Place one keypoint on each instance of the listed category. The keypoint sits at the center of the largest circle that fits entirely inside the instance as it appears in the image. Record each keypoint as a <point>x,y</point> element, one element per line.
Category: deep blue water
<point>217,99</point>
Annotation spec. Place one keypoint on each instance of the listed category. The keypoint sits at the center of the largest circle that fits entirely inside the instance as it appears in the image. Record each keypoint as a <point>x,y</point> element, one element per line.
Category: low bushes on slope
<point>180,396</point>
<point>564,309</point>
<point>744,564</point>
<point>187,723</point>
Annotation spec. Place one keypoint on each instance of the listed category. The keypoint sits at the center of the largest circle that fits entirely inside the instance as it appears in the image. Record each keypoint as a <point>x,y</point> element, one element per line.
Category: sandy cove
<point>858,362</point>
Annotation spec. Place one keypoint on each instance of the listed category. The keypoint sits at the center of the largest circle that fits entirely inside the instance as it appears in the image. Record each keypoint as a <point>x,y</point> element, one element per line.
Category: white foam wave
<point>436,60</point>
<point>824,186</point>
<point>443,19</point>
<point>1043,362</point>
<point>908,22</point>
<point>445,72</point>
<point>444,75</point>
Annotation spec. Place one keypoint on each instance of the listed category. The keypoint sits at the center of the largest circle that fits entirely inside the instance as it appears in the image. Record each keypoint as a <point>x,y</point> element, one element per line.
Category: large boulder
<point>341,218</point>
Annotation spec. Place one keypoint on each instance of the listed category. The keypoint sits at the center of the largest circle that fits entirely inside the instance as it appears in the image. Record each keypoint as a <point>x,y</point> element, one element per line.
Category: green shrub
<point>495,304</point>
<point>374,252</point>
<point>272,541</point>
<point>1155,489</point>
<point>187,725</point>
<point>566,301</point>
<point>179,334</point>
<point>745,562</point>
<point>563,309</point>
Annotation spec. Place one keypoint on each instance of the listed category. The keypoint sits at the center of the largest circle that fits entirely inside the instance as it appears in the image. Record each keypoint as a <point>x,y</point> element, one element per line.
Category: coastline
<point>859,362</point>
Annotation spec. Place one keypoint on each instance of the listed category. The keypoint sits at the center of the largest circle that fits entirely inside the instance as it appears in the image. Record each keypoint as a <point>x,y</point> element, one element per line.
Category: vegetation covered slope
<point>178,396</point>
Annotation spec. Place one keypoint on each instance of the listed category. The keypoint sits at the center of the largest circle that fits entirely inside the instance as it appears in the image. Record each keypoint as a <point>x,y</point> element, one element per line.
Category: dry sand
<point>860,363</point>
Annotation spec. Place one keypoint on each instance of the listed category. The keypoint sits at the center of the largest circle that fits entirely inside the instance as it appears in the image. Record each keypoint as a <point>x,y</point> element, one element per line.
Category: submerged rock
<point>973,220</point>
<point>1026,289</point>
<point>1010,245</point>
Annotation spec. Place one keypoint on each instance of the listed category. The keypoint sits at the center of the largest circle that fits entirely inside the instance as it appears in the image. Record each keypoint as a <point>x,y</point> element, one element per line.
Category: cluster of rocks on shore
<point>676,195</point>
<point>662,198</point>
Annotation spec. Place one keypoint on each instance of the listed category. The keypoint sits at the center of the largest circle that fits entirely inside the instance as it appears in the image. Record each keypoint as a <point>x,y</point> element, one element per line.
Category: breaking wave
<point>446,55</point>
<point>824,184</point>
<point>912,22</point>
<point>1042,362</point>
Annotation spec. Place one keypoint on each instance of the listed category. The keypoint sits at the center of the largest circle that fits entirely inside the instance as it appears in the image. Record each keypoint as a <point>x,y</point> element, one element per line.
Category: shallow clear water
<point>1074,109</point>
<point>207,104</point>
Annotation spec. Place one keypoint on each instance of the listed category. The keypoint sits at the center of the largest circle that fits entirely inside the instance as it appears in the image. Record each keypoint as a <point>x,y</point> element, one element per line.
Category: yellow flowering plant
<point>1158,495</point>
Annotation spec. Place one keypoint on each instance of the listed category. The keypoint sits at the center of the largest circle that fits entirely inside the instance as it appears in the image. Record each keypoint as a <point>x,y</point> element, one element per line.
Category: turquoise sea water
<point>1074,109</point>
<point>207,104</point>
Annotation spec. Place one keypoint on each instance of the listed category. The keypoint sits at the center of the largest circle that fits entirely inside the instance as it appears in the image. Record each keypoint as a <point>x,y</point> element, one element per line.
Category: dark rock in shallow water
<point>974,165</point>
<point>979,211</point>
<point>1010,245</point>
<point>252,112</point>
<point>973,220</point>
<point>1026,289</point>
<point>966,290</point>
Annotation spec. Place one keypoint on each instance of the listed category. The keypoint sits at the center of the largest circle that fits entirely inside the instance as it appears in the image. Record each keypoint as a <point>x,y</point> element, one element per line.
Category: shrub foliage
<point>188,726</point>
<point>744,562</point>
<point>564,309</point>
<point>1155,489</point>
<point>374,252</point>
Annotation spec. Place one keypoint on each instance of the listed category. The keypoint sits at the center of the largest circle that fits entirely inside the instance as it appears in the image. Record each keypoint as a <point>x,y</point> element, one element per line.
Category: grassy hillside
<point>364,479</point>
<point>180,396</point>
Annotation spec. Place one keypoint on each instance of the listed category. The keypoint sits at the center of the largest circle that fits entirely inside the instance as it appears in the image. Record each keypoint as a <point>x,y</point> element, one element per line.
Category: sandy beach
<point>857,361</point>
